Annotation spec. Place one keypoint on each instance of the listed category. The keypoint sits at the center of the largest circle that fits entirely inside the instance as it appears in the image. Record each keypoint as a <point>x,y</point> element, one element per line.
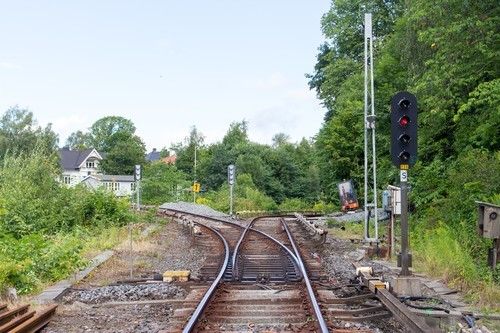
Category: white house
<point>82,166</point>
<point>121,185</point>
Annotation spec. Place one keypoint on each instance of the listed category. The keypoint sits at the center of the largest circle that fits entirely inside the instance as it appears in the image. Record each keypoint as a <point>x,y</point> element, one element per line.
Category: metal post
<point>230,200</point>
<point>496,250</point>
<point>194,170</point>
<point>138,208</point>
<point>137,191</point>
<point>369,125</point>
<point>374,154</point>
<point>405,257</point>
<point>365,205</point>
<point>392,234</point>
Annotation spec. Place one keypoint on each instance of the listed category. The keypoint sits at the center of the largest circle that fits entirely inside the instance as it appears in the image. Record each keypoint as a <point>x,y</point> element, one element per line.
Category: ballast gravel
<point>193,209</point>
<point>126,292</point>
<point>82,318</point>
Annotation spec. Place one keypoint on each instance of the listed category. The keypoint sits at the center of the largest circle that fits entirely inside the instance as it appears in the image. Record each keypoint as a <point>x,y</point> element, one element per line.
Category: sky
<point>166,65</point>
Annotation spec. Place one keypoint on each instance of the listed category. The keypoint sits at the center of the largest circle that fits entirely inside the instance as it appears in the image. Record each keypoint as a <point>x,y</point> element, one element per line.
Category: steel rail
<point>242,227</point>
<point>310,291</point>
<point>414,323</point>
<point>201,306</point>
<point>237,247</point>
<point>296,258</point>
<point>250,227</point>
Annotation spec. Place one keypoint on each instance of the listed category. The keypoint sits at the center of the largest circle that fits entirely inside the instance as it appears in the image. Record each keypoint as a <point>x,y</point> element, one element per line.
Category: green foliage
<point>126,152</point>
<point>185,152</point>
<point>293,204</point>
<point>37,258</point>
<point>440,251</point>
<point>446,53</point>
<point>33,200</point>
<point>163,183</point>
<point>116,137</point>
<point>247,197</point>
<point>40,221</point>
<point>279,171</point>
<point>478,120</point>
<point>19,133</point>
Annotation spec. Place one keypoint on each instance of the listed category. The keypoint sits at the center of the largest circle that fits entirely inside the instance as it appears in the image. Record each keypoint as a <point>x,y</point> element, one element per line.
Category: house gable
<point>91,154</point>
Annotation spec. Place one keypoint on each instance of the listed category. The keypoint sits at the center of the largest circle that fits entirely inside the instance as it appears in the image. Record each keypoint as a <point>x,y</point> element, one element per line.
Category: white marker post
<point>137,175</point>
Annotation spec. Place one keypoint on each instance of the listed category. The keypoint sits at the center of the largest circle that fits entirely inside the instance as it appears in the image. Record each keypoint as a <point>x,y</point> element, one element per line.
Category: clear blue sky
<point>166,65</point>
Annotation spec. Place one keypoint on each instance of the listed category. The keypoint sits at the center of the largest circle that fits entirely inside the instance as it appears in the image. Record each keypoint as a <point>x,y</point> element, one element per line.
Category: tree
<point>123,156</point>
<point>105,132</point>
<point>213,168</point>
<point>79,141</point>
<point>280,139</point>
<point>185,152</point>
<point>162,183</point>
<point>19,133</point>
<point>115,137</point>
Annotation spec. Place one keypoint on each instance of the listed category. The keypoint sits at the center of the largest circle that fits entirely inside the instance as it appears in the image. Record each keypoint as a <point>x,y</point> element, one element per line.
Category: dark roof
<point>71,159</point>
<point>153,156</point>
<point>116,178</point>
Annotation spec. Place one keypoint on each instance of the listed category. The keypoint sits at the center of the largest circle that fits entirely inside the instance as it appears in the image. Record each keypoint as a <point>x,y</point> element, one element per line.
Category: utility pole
<point>370,204</point>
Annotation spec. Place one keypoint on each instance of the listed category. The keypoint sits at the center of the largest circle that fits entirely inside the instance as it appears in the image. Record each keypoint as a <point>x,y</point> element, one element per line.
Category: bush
<point>41,221</point>
<point>36,258</point>
<point>440,252</point>
<point>293,204</point>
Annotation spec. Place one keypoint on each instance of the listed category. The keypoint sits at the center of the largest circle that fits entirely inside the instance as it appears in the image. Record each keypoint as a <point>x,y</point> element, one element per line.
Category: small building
<point>153,156</point>
<point>78,164</point>
<point>169,159</point>
<point>120,185</point>
<point>82,166</point>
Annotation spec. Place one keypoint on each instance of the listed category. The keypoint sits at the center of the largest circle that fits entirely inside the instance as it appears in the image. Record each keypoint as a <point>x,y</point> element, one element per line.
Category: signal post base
<point>407,286</point>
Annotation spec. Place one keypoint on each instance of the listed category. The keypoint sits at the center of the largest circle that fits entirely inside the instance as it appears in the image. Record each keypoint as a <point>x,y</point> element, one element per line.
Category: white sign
<point>404,176</point>
<point>230,174</point>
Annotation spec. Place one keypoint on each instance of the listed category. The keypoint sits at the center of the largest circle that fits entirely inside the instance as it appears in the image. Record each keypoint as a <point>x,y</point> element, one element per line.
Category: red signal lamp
<point>404,121</point>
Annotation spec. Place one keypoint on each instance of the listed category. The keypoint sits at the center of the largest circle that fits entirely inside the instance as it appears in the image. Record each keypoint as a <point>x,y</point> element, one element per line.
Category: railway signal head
<point>403,129</point>
<point>231,170</point>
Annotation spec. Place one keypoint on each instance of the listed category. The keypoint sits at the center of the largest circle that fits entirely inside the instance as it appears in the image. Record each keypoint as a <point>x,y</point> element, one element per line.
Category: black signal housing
<point>404,128</point>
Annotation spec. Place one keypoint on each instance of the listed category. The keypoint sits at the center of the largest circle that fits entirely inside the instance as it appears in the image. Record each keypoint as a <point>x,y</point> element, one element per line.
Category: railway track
<point>264,277</point>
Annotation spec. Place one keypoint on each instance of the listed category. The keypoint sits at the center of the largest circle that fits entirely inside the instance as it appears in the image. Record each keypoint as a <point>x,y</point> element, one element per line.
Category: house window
<point>112,186</point>
<point>90,164</point>
<point>67,179</point>
<point>132,186</point>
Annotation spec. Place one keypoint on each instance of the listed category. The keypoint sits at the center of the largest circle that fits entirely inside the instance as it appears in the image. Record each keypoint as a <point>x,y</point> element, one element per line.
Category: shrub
<point>293,204</point>
<point>442,254</point>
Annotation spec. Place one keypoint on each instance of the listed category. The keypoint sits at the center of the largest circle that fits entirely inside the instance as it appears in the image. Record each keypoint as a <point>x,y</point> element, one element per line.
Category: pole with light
<point>404,155</point>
